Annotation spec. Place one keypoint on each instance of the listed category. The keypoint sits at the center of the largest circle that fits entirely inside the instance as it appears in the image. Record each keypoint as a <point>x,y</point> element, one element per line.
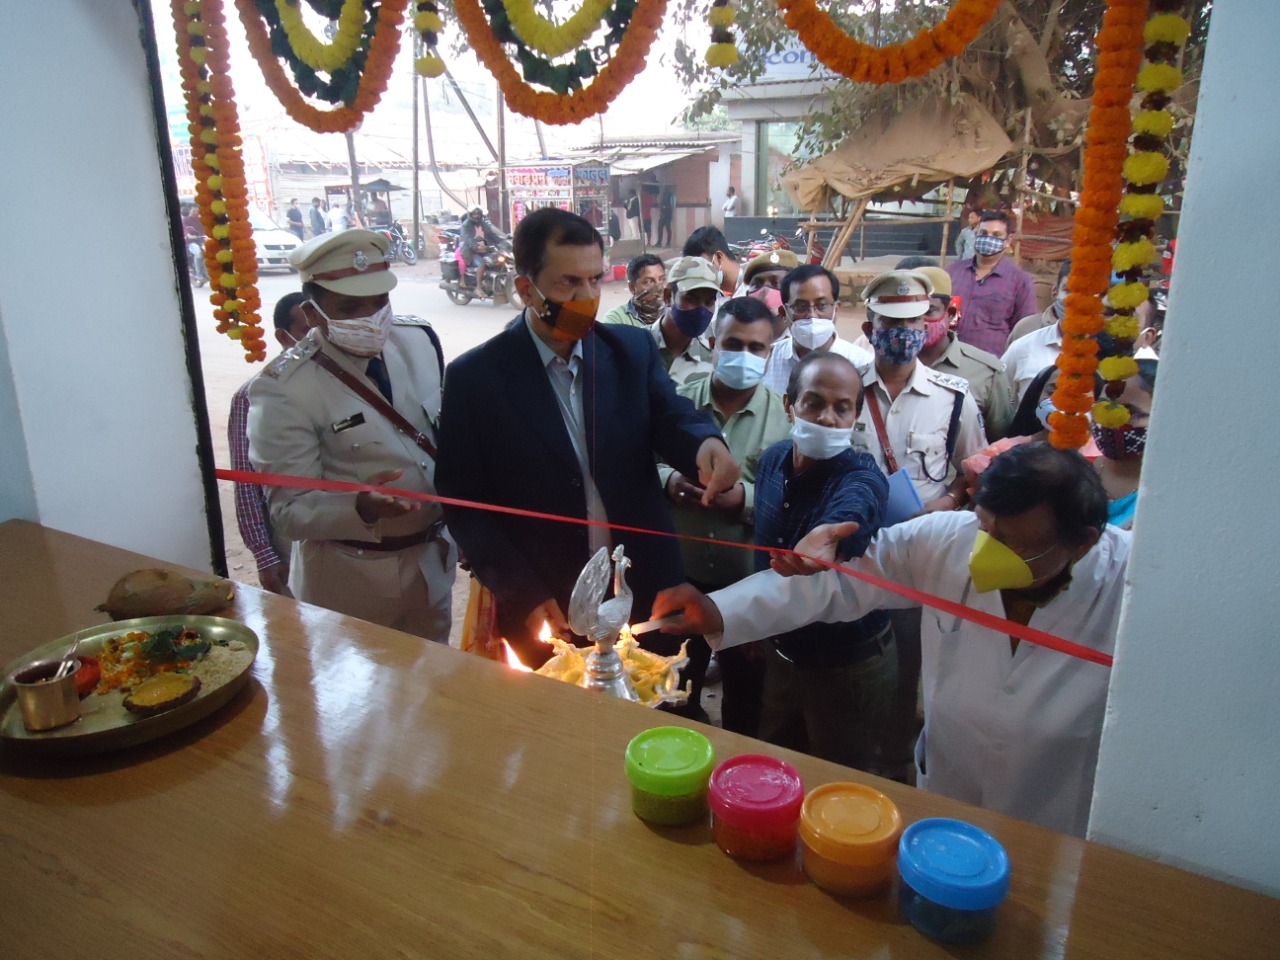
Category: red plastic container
<point>619,271</point>
<point>755,805</point>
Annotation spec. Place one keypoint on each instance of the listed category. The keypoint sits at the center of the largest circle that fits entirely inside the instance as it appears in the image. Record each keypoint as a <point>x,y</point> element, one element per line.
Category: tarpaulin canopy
<point>931,143</point>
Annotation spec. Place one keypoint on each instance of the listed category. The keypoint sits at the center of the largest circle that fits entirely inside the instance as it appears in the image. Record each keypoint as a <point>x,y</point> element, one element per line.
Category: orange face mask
<point>571,320</point>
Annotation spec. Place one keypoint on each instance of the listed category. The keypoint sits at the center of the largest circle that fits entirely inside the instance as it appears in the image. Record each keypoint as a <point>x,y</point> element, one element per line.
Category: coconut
<point>158,593</point>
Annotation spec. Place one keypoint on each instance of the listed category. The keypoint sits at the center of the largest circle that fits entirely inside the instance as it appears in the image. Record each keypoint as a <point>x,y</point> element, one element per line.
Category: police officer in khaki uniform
<point>926,415</point>
<point>946,353</point>
<point>357,399</point>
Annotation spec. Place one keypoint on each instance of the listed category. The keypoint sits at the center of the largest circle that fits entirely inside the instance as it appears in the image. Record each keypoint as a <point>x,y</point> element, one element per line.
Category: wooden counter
<point>373,795</point>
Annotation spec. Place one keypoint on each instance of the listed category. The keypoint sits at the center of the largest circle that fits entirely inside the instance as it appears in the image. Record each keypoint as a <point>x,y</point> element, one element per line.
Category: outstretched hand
<point>820,543</point>
<point>381,506</point>
<point>690,611</point>
<point>717,470</point>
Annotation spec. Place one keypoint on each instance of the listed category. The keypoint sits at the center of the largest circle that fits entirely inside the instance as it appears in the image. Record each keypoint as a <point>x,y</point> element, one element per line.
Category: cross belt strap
<point>883,434</point>
<point>378,403</point>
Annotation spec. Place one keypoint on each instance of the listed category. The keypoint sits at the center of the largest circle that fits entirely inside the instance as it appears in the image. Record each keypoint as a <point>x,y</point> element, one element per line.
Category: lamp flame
<point>513,661</point>
<point>545,633</point>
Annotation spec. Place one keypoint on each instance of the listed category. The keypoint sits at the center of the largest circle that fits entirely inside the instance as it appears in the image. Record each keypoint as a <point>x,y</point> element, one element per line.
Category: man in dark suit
<point>560,415</point>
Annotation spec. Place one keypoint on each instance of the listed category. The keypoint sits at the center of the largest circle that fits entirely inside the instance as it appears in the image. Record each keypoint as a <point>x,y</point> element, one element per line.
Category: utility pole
<point>504,217</point>
<point>355,176</point>
<point>417,206</point>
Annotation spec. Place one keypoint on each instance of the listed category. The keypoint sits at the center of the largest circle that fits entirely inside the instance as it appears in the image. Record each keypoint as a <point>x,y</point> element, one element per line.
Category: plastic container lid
<point>670,761</point>
<point>850,823</point>
<point>954,864</point>
<point>753,791</point>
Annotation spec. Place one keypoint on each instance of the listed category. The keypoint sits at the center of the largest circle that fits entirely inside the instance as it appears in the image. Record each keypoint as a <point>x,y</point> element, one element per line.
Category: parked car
<point>273,242</point>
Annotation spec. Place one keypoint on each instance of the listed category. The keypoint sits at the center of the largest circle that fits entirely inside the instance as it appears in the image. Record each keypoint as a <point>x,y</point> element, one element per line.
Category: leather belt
<point>848,656</point>
<point>392,544</point>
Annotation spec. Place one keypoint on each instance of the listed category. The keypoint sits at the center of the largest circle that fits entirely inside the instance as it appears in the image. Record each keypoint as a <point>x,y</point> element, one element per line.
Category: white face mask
<point>812,332</point>
<point>818,442</point>
<point>359,336</point>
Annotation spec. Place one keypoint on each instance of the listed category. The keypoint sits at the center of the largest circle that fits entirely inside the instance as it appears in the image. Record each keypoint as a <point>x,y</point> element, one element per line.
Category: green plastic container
<point>668,769</point>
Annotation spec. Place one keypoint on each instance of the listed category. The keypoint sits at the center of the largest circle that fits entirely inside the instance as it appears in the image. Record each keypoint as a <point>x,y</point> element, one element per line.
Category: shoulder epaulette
<point>283,366</point>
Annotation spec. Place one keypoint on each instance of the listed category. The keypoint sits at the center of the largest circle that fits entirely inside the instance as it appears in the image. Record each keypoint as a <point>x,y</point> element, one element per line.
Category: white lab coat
<point>1015,733</point>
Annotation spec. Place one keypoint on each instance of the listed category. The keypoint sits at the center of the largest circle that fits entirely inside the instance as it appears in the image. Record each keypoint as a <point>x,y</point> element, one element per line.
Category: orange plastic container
<point>850,834</point>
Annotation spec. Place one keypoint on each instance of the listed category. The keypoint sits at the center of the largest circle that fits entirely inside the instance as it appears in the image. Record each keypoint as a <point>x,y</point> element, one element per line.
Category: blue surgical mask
<point>897,345</point>
<point>988,246</point>
<point>818,442</point>
<point>692,323</point>
<point>738,369</point>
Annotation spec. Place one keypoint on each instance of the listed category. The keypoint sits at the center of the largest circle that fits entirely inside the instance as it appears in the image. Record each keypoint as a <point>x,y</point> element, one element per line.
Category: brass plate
<point>104,723</point>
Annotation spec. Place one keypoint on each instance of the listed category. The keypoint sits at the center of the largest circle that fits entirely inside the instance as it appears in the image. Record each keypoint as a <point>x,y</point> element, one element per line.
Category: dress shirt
<point>564,376</point>
<point>748,433</point>
<point>991,306</point>
<point>694,360</point>
<point>251,500</point>
<point>1028,356</point>
<point>783,359</point>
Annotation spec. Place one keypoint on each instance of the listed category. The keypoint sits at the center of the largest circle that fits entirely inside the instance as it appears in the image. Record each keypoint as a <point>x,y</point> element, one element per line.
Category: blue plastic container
<point>953,878</point>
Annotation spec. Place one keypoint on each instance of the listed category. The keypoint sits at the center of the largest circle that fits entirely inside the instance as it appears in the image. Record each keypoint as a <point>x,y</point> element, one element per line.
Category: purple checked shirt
<point>991,306</point>
<point>251,500</point>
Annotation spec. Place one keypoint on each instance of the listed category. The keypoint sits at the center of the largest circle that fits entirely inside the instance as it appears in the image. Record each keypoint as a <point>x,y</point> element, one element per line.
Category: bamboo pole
<point>836,252</point>
<point>1022,186</point>
<point>946,223</point>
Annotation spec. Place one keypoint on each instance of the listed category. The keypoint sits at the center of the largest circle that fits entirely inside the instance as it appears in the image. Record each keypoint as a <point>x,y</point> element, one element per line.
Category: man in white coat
<point>357,399</point>
<point>1008,725</point>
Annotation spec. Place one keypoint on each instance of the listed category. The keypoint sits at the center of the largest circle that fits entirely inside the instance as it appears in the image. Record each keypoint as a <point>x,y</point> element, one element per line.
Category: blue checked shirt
<point>847,487</point>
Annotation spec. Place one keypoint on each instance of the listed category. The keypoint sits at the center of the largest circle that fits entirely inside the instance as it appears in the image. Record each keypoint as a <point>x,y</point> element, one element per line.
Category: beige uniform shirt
<point>748,433</point>
<point>693,361</point>
<point>917,424</point>
<point>985,374</point>
<point>305,422</point>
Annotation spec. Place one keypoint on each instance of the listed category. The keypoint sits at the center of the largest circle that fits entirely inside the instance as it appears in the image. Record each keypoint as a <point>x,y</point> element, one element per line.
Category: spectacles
<point>802,308</point>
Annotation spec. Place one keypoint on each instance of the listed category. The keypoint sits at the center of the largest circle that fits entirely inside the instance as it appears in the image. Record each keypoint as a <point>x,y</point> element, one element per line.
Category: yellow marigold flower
<point>209,136</point>
<point>225,256</point>
<point>1154,123</point>
<point>221,231</point>
<point>231,306</point>
<point>1123,327</point>
<point>215,182</point>
<point>212,160</point>
<point>191,8</point>
<point>1126,256</point>
<point>199,54</point>
<point>1117,368</point>
<point>1159,78</point>
<point>1166,28</point>
<point>228,280</point>
<point>1142,206</point>
<point>721,17</point>
<point>1109,414</point>
<point>235,333</point>
<point>1127,296</point>
<point>721,55</point>
<point>428,21</point>
<point>195,28</point>
<point>429,66</point>
<point>1146,167</point>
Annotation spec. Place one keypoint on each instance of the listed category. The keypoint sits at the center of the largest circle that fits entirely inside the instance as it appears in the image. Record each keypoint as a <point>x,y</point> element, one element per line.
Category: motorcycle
<point>458,281</point>
<point>399,246</point>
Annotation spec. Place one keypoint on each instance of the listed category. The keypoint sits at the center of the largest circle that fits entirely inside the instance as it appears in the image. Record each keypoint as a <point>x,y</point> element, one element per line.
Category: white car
<point>273,243</point>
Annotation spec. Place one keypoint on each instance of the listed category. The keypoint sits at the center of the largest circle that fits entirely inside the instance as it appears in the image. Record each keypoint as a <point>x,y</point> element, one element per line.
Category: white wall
<point>89,306</point>
<point>1190,766</point>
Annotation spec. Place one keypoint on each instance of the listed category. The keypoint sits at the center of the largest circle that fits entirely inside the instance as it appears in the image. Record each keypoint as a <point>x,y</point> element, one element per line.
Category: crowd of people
<point>720,403</point>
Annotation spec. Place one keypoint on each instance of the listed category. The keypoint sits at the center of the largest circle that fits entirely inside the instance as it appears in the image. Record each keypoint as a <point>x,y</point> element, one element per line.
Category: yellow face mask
<point>993,566</point>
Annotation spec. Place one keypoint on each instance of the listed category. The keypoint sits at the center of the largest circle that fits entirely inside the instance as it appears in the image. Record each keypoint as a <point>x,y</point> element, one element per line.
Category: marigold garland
<point>429,26</point>
<point>864,63</point>
<point>221,192</point>
<point>550,38</point>
<point>552,108</point>
<point>1119,58</point>
<point>373,79</point>
<point>315,53</point>
<point>722,52</point>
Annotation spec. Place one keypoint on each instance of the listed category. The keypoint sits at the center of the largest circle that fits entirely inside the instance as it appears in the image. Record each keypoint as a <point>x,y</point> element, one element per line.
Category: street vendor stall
<point>371,794</point>
<point>581,186</point>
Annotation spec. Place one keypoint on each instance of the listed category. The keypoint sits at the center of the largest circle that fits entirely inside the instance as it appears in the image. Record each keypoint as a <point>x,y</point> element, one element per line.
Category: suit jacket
<point>503,441</point>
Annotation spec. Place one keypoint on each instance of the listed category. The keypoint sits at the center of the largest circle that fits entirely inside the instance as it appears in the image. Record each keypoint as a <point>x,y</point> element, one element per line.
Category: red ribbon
<point>991,622</point>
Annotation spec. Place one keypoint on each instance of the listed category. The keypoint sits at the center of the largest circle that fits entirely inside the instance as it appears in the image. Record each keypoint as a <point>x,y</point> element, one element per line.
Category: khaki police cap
<point>899,294</point>
<point>940,279</point>
<point>692,273</point>
<point>351,262</point>
<point>773,260</point>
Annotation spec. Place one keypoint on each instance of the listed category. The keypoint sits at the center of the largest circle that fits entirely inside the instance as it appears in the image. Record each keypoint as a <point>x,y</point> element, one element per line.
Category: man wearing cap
<point>762,280</point>
<point>646,279</point>
<point>561,415</point>
<point>477,236</point>
<point>947,353</point>
<point>922,422</point>
<point>358,399</point>
<point>810,299</point>
<point>690,302</point>
<point>995,293</point>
